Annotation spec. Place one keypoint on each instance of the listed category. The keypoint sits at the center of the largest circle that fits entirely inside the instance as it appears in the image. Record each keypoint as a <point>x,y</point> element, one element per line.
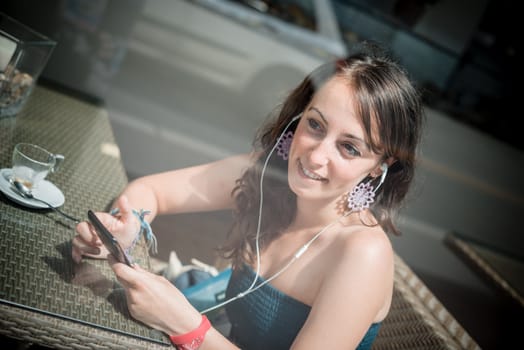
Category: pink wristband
<point>192,340</point>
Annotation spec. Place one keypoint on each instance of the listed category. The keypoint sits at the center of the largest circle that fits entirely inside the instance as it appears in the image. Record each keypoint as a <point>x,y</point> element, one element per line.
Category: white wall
<point>471,183</point>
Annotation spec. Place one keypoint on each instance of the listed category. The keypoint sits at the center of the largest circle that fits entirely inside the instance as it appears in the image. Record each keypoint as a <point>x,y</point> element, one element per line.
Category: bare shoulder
<point>360,278</point>
<point>367,240</point>
<point>367,247</point>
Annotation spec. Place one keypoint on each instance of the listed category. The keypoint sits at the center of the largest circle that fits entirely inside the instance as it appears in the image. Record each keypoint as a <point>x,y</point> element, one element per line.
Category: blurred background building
<point>188,81</point>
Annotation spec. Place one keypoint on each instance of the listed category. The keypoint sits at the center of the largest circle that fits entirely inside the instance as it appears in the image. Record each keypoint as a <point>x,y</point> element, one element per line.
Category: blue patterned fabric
<point>268,318</point>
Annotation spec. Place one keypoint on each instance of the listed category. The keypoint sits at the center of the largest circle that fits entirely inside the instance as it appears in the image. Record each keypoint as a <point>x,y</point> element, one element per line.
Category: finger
<point>127,276</point>
<point>138,267</point>
<point>124,207</point>
<point>78,253</point>
<point>87,234</point>
<point>112,260</point>
<point>87,243</point>
<point>86,248</point>
<point>127,222</point>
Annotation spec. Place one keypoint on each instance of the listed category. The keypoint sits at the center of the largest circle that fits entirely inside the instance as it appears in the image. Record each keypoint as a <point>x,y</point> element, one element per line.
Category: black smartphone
<point>108,239</point>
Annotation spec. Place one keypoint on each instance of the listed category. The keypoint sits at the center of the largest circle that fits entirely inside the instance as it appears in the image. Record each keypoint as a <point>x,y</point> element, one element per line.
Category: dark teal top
<point>268,318</point>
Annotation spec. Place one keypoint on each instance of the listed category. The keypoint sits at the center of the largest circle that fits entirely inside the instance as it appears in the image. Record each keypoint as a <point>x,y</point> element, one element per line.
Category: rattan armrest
<point>417,319</point>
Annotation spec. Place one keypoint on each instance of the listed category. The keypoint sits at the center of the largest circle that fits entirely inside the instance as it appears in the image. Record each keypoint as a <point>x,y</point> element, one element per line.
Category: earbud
<point>384,168</point>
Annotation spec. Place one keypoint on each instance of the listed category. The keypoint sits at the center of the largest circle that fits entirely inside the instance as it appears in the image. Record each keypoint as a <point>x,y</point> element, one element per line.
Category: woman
<point>313,203</point>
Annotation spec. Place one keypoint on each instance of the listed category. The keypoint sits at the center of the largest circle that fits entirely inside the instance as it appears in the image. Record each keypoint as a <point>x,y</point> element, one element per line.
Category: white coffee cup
<point>32,163</point>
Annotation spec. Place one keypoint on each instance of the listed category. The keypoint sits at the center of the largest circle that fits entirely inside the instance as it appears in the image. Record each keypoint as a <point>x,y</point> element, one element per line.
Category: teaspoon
<point>24,191</point>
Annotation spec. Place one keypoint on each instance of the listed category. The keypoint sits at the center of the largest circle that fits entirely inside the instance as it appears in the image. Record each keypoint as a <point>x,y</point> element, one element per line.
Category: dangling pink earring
<point>284,144</point>
<point>363,195</point>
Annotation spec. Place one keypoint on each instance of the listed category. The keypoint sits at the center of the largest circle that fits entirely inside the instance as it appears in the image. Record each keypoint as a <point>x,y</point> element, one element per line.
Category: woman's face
<point>329,154</point>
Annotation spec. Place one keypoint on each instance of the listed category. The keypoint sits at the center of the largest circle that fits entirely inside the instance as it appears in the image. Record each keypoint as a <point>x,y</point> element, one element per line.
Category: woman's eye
<point>314,125</point>
<point>351,150</point>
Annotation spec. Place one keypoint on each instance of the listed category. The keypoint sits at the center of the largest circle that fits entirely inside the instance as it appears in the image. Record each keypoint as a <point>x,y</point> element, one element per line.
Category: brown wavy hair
<point>385,97</point>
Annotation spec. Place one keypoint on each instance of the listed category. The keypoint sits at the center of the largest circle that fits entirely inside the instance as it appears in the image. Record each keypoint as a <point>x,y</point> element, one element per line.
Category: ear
<point>389,161</point>
<point>379,169</point>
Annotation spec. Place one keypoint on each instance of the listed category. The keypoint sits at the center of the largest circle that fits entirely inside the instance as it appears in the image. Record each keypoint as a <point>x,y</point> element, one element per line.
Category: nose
<point>320,154</point>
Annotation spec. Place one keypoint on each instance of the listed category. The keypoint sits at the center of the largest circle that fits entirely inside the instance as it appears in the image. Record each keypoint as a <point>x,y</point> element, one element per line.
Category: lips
<point>310,174</point>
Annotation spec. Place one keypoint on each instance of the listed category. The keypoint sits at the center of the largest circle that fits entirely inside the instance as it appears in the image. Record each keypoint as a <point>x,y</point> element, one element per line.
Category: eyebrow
<point>351,136</point>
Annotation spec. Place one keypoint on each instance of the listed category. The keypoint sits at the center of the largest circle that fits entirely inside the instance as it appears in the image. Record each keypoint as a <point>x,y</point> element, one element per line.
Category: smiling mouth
<point>309,174</point>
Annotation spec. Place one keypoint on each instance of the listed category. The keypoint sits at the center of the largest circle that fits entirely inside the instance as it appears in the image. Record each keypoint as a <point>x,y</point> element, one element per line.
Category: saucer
<point>45,191</point>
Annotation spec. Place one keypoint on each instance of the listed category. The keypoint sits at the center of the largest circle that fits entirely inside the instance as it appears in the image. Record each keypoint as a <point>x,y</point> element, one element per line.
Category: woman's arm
<point>200,188</point>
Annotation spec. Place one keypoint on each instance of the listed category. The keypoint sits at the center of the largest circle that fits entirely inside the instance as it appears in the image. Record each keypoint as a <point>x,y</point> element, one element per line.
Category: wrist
<point>144,228</point>
<point>192,339</point>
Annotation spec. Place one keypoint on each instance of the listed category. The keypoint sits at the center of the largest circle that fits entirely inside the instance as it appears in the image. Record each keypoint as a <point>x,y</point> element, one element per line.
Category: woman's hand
<point>124,227</point>
<point>153,300</point>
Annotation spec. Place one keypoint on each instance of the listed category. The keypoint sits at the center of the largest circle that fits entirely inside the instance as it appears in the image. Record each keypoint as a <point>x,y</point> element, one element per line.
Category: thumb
<point>126,275</point>
<point>125,211</point>
<point>123,206</point>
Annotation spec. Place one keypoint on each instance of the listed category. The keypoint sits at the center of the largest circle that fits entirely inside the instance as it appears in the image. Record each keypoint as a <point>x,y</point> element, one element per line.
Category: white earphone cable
<point>259,223</point>
<point>300,251</point>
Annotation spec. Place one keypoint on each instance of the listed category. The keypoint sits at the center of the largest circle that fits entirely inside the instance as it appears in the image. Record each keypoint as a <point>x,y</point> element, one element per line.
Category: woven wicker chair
<point>417,320</point>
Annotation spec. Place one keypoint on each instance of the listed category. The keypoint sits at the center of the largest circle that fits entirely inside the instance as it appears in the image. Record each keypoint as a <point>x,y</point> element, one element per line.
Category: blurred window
<point>297,12</point>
